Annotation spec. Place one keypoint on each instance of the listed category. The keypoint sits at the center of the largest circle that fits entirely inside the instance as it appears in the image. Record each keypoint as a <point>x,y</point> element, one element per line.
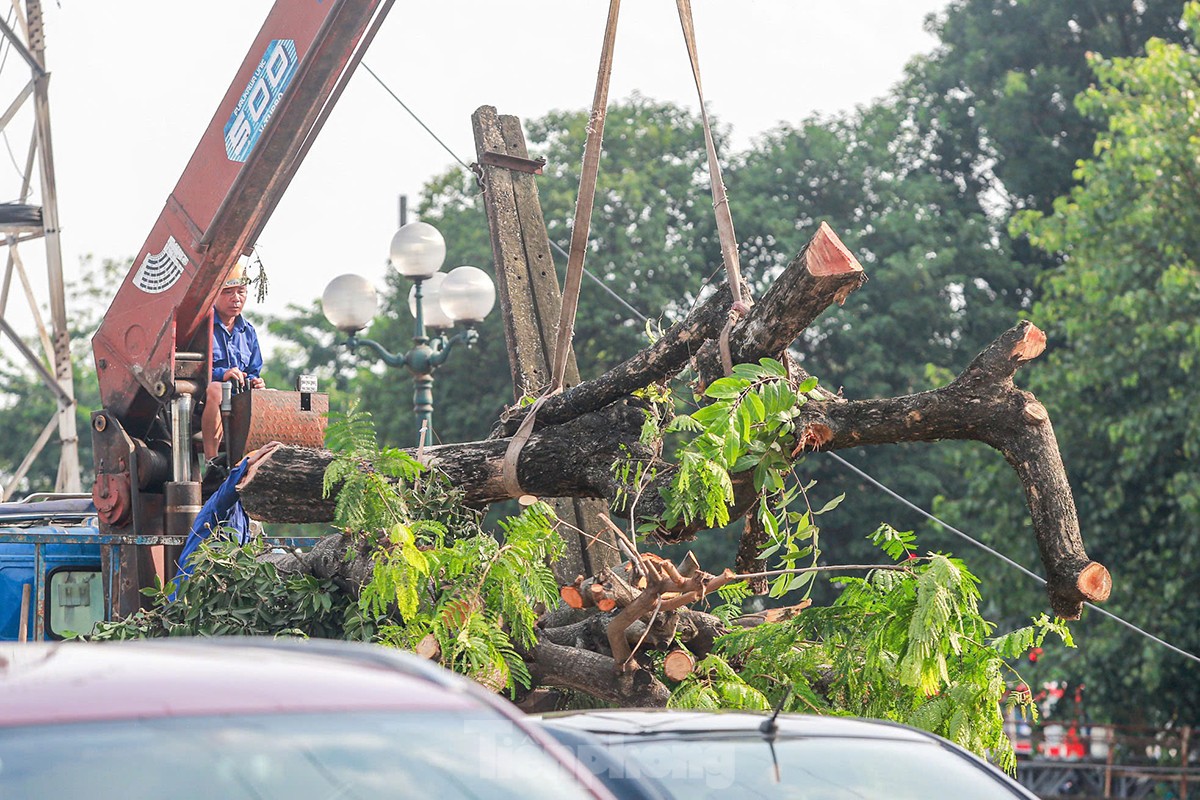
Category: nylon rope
<point>729,253</point>
<point>584,203</point>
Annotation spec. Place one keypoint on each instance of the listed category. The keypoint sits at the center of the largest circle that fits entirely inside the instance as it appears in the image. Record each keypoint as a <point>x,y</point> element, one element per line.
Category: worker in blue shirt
<point>236,356</point>
<point>222,514</point>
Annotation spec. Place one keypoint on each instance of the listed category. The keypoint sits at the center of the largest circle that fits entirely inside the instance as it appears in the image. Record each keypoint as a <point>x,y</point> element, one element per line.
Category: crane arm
<point>282,93</point>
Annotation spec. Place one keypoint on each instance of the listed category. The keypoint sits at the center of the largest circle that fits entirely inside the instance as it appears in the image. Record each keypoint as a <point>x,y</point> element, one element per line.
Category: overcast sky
<point>135,82</point>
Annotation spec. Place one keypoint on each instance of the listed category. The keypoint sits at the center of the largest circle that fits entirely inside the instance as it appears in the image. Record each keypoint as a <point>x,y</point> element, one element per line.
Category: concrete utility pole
<point>530,300</point>
<point>22,222</point>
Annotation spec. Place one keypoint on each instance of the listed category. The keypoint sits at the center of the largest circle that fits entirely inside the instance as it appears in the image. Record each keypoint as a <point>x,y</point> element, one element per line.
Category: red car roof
<point>74,682</point>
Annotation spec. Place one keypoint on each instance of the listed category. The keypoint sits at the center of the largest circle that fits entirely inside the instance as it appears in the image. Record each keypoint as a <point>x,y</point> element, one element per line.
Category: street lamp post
<point>437,300</point>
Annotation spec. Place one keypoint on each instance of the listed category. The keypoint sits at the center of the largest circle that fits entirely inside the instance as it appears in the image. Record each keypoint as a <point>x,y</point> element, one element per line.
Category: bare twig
<point>593,538</point>
<point>774,573</point>
<point>645,633</point>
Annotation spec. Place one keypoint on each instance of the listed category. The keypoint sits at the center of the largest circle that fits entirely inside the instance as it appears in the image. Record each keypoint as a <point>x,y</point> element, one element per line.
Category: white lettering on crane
<point>260,99</point>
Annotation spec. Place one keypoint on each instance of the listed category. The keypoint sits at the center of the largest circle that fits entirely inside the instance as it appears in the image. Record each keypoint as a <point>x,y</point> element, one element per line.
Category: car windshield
<point>294,756</point>
<point>812,769</point>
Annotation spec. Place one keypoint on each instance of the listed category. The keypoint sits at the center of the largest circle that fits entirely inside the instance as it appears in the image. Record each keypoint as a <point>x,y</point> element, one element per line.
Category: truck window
<point>74,601</point>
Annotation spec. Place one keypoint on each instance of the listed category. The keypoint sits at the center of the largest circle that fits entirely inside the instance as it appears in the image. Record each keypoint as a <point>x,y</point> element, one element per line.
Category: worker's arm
<point>222,512</point>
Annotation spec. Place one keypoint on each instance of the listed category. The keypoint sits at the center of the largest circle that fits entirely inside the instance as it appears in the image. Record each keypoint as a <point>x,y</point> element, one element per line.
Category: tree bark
<point>571,459</point>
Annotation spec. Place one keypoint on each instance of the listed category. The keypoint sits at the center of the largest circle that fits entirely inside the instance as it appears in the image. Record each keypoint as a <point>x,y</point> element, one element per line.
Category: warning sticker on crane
<point>258,101</point>
<point>159,271</point>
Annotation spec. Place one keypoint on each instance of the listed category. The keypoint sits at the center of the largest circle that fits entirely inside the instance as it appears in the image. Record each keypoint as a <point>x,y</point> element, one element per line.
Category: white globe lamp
<point>350,303</point>
<point>418,250</point>
<point>467,294</point>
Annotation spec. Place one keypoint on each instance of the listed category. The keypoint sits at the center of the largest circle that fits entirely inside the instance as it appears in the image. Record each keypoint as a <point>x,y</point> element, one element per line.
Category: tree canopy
<point>1121,310</point>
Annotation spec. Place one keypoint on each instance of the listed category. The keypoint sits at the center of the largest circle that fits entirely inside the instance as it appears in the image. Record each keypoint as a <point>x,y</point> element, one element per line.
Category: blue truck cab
<point>57,567</point>
<point>51,580</point>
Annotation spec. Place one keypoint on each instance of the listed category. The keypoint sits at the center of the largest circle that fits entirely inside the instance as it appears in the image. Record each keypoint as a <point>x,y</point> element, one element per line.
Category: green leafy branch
<point>905,643</point>
<point>233,592</point>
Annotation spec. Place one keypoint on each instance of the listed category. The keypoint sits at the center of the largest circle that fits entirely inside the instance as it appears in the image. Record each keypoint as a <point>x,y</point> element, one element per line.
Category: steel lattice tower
<point>23,221</point>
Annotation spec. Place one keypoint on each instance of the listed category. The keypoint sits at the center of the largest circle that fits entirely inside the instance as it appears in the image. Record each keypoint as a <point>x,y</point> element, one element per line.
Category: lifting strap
<point>584,202</point>
<point>729,254</point>
<point>579,238</point>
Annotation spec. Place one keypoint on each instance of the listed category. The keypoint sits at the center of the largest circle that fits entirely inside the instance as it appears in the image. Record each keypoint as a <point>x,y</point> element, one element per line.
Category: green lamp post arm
<point>442,346</point>
<point>355,341</point>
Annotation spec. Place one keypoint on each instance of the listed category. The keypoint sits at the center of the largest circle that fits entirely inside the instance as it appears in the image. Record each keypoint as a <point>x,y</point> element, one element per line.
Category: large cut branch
<point>822,274</point>
<point>984,405</point>
<point>578,441</point>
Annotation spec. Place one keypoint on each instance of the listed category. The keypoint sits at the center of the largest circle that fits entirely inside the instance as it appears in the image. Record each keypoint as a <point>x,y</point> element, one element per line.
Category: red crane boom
<point>153,349</point>
<point>262,129</point>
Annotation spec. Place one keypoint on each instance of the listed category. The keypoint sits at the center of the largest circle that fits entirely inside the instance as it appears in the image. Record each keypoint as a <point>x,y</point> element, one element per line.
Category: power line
<point>835,456</point>
<point>1000,555</point>
<point>413,114</point>
<point>642,317</point>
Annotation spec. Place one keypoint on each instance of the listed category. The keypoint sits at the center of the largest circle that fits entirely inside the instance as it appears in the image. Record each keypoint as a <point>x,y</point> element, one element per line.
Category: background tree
<point>1001,84</point>
<point>1122,311</point>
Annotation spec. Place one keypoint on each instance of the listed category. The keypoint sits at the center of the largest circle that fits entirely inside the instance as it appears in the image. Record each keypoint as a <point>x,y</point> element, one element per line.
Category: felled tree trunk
<point>567,460</point>
<point>581,433</point>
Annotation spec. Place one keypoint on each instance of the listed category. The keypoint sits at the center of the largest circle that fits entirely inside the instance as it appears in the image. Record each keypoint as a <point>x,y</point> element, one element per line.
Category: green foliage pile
<point>907,645</point>
<point>233,593</point>
<point>475,596</point>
